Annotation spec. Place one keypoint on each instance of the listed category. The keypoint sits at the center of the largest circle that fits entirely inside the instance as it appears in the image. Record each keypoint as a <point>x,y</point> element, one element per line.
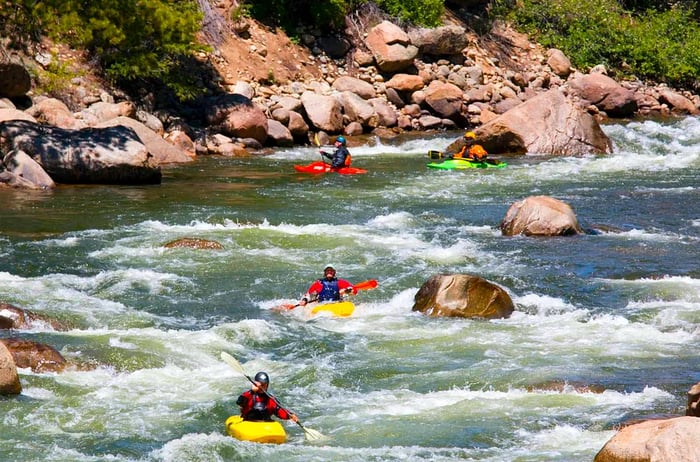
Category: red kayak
<point>322,167</point>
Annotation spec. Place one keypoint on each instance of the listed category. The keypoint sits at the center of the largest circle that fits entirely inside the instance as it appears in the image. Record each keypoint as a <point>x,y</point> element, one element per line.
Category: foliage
<point>240,12</point>
<point>133,39</point>
<point>289,14</point>
<point>420,12</point>
<point>651,45</point>
<point>55,78</point>
<point>330,14</point>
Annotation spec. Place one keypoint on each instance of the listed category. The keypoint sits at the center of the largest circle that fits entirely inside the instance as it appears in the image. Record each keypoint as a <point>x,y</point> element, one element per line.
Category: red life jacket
<point>258,406</point>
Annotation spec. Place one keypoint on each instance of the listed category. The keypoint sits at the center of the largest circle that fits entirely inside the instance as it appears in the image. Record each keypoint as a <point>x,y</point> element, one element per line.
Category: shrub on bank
<point>660,46</point>
<point>132,39</point>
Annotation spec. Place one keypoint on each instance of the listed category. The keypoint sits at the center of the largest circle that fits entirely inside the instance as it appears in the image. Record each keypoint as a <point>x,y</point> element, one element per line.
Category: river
<point>606,327</point>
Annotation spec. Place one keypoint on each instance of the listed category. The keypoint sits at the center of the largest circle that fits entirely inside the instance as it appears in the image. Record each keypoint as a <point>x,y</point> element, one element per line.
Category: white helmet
<point>328,266</point>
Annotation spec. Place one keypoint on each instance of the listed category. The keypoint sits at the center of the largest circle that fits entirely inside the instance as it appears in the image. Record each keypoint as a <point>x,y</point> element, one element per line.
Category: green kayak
<point>459,164</point>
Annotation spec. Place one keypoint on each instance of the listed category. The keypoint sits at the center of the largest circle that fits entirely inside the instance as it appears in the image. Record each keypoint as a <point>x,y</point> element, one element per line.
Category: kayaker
<point>341,156</point>
<point>328,288</point>
<point>256,404</point>
<point>471,150</point>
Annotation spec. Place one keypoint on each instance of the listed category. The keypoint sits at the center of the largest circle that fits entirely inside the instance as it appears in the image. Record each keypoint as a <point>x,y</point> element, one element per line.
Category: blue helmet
<point>341,140</point>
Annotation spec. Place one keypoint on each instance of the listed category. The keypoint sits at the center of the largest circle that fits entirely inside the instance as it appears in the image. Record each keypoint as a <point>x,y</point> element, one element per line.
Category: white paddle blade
<point>231,361</point>
<point>314,435</point>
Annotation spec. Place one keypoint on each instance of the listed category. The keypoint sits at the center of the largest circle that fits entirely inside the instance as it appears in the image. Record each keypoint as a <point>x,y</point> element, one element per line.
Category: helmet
<point>341,140</point>
<point>471,135</point>
<point>329,266</point>
<point>262,378</point>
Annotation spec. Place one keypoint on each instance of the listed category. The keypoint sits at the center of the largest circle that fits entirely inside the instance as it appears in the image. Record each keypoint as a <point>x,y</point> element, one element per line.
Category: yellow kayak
<point>258,432</point>
<point>337,308</point>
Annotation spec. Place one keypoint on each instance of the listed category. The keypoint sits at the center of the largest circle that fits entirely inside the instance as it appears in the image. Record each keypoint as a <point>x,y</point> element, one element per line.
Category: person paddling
<point>328,288</point>
<point>341,156</point>
<point>258,405</point>
<point>471,150</point>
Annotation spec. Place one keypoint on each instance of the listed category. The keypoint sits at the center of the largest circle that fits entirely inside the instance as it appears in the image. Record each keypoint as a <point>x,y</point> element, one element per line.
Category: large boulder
<point>113,155</point>
<point>605,93</point>
<point>464,296</point>
<point>39,357</point>
<point>359,110</point>
<point>677,102</point>
<point>445,99</point>
<point>559,62</point>
<point>13,317</point>
<point>391,47</point>
<point>540,216</point>
<point>549,123</point>
<point>52,111</point>
<point>24,172</point>
<point>440,41</point>
<point>15,80</point>
<point>354,85</point>
<point>162,151</point>
<point>9,379</point>
<point>14,114</point>
<point>279,134</point>
<point>668,440</point>
<point>324,112</point>
<point>237,116</point>
<point>405,83</point>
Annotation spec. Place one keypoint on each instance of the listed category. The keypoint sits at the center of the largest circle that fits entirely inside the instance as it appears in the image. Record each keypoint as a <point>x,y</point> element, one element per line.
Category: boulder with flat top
<point>111,155</point>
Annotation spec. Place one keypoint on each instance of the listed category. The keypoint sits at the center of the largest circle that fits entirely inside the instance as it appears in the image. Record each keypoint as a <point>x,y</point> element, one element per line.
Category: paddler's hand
<point>256,387</point>
<point>303,302</point>
<point>294,418</point>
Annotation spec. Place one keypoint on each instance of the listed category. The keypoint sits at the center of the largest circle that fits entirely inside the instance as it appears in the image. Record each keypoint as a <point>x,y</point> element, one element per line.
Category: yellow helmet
<point>471,135</point>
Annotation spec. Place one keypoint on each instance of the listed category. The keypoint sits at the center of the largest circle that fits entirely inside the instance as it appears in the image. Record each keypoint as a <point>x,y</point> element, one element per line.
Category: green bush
<point>289,14</point>
<point>651,45</point>
<point>133,39</point>
<point>420,12</point>
<point>330,14</point>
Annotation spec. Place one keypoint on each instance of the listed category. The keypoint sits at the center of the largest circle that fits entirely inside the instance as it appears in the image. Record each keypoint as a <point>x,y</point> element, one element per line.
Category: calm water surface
<point>605,328</point>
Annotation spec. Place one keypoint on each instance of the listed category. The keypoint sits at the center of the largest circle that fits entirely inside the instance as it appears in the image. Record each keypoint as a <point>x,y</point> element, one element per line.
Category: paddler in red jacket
<point>256,404</point>
<point>328,288</point>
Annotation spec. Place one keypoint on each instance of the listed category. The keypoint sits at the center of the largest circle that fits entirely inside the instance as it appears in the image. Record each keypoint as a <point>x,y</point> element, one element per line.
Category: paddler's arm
<point>284,414</point>
<point>311,294</point>
<point>346,288</point>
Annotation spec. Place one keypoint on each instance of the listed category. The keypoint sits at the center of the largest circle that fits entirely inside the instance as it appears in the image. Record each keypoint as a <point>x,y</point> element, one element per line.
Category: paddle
<point>311,435</point>
<point>364,285</point>
<point>318,144</point>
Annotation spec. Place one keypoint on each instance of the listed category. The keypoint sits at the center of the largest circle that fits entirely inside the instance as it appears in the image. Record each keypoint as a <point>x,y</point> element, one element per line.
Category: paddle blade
<point>364,285</point>
<point>233,362</point>
<point>313,435</point>
<point>435,154</point>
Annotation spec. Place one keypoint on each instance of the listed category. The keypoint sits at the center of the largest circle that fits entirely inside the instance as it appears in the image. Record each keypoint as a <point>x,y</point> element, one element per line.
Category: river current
<point>606,327</point>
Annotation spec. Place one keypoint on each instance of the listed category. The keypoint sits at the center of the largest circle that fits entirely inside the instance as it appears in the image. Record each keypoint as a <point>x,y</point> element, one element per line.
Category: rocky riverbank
<point>376,78</point>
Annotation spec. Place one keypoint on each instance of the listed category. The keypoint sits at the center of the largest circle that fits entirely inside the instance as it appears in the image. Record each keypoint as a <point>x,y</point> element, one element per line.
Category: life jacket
<point>257,407</point>
<point>330,290</point>
<point>477,152</point>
